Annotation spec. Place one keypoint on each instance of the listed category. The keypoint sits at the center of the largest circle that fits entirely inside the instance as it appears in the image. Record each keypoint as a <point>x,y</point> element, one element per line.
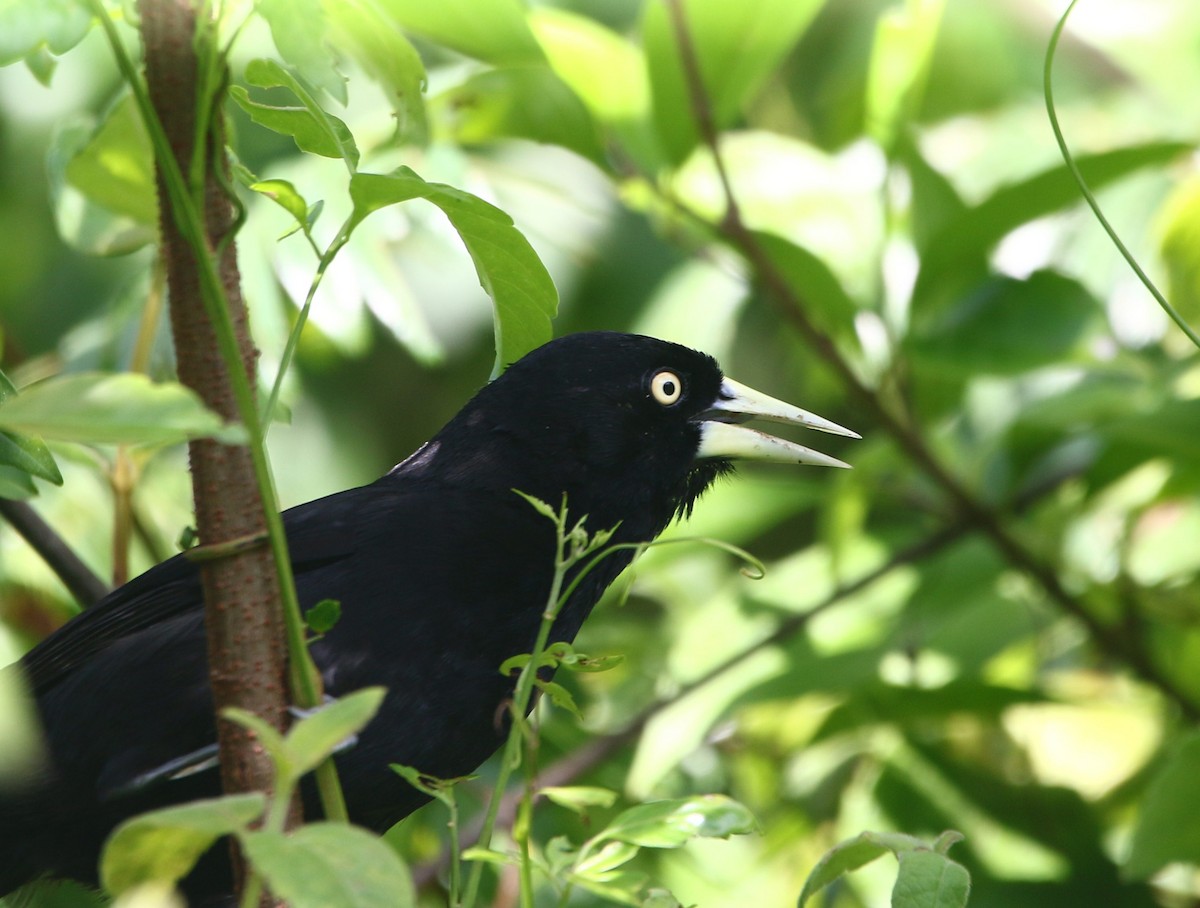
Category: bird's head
<point>632,429</point>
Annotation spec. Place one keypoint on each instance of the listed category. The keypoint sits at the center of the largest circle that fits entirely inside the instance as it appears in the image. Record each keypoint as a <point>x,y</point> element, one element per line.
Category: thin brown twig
<point>1112,640</point>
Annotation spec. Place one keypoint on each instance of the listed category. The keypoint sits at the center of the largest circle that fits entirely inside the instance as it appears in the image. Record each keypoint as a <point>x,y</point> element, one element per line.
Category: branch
<point>1111,640</point>
<point>247,658</point>
<point>84,585</point>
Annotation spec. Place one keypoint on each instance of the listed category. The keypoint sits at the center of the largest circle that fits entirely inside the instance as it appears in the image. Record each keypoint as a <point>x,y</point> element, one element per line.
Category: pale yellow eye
<point>666,387</point>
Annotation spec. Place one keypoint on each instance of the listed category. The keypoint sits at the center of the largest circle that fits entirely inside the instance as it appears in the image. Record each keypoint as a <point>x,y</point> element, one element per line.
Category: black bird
<point>441,571</point>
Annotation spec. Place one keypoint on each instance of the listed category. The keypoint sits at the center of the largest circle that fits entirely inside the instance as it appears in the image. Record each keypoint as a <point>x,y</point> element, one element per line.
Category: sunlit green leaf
<point>165,844</point>
<point>1180,231</point>
<point>579,797</point>
<point>315,737</point>
<point>116,168</point>
<point>528,102</point>
<point>494,31</point>
<point>737,46</point>
<point>330,865</point>
<point>510,272</point>
<point>964,241</point>
<point>607,72</point>
<point>101,408</point>
<point>56,25</point>
<point>362,30</point>
<point>298,29</point>
<point>904,39</point>
<point>668,824</point>
<point>313,128</point>
<point>927,879</point>
<point>1010,326</point>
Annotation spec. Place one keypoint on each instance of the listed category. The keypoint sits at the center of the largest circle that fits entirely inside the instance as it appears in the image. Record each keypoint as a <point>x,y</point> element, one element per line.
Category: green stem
<point>520,702</point>
<point>1087,193</point>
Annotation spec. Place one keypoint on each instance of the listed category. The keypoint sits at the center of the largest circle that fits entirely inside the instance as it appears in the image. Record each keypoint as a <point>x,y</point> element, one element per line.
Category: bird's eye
<point>666,387</point>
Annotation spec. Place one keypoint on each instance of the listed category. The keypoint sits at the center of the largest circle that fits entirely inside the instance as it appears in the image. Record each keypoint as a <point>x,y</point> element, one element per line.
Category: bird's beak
<point>722,435</point>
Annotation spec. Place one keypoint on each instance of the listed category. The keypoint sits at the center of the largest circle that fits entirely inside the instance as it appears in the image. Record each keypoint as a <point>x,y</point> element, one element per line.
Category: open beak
<point>723,435</point>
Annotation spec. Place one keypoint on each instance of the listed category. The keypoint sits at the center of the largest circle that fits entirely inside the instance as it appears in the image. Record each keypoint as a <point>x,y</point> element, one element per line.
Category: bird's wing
<point>319,533</point>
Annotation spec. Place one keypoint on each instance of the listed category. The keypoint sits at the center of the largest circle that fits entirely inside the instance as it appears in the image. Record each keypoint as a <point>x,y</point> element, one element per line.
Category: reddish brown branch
<point>247,656</point>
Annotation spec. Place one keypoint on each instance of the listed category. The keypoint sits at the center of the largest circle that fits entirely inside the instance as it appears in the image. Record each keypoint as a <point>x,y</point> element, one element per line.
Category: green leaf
<point>965,240</point>
<point>268,737</point>
<point>559,696</point>
<point>825,300</point>
<point>23,453</point>
<point>607,73</point>
<point>921,878</point>
<point>904,39</point>
<point>330,865</point>
<point>928,879</point>
<point>362,31</point>
<point>314,737</point>
<point>116,168</point>
<point>298,29</point>
<point>165,844</point>
<point>669,824</point>
<point>1180,247</point>
<point>125,408</point>
<point>323,616</point>
<point>442,789</point>
<point>840,860</point>
<point>510,272</point>
<point>494,31</point>
<point>579,797</point>
<point>285,195</point>
<point>1009,326</point>
<point>601,866</point>
<point>310,126</point>
<point>1168,825</point>
<point>737,46</point>
<point>528,102</point>
<point>56,25</point>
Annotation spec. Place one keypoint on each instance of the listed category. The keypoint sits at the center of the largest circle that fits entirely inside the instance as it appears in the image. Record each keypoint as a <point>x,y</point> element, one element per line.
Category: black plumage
<point>441,571</point>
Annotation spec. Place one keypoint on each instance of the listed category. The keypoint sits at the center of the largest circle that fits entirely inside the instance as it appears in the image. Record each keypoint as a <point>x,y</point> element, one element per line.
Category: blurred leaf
<point>1009,326</point>
<point>967,239</point>
<point>16,484</point>
<point>528,102</point>
<point>362,29</point>
<point>669,824</point>
<point>330,865</point>
<point>23,453</point>
<point>737,47</point>
<point>510,272</point>
<point>1180,247</point>
<point>904,40</point>
<point>56,25</point>
<point>298,29</point>
<point>840,860</point>
<point>122,408</point>
<point>1168,825</point>
<point>494,31</point>
<point>559,696</point>
<point>324,616</point>
<point>285,195</point>
<point>579,797</point>
<point>116,168</point>
<point>607,72</point>
<point>825,301</point>
<point>165,844</point>
<point>318,734</point>
<point>930,880</point>
<point>313,129</point>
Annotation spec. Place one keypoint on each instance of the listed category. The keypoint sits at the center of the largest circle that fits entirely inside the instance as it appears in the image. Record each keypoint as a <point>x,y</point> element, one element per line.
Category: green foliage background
<point>893,163</point>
